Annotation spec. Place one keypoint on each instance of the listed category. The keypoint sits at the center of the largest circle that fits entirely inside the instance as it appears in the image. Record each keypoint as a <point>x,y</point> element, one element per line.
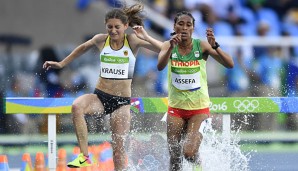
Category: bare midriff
<point>115,87</point>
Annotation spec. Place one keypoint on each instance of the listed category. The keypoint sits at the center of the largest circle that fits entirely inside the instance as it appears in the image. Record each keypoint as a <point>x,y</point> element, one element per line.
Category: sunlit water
<point>218,152</point>
<point>222,152</point>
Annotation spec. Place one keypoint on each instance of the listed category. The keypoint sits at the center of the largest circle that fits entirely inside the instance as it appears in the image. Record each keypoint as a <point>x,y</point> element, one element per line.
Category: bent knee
<point>76,109</point>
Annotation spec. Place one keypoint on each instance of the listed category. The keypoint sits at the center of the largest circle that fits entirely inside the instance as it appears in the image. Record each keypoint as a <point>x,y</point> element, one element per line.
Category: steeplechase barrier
<point>220,105</point>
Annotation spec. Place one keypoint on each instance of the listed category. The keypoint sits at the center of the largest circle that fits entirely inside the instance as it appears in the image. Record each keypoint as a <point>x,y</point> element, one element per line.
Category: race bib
<point>187,81</point>
<point>114,67</point>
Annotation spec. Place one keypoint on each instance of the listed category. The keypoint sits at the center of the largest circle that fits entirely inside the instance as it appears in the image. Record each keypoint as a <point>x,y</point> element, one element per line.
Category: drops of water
<point>218,152</point>
<point>148,155</point>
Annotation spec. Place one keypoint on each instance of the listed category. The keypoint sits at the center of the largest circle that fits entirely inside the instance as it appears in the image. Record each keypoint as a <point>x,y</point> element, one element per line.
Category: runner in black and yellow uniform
<point>188,91</point>
<point>113,89</point>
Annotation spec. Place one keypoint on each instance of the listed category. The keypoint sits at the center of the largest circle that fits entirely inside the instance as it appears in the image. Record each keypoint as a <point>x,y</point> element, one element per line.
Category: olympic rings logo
<point>122,61</point>
<point>246,105</point>
<point>193,70</point>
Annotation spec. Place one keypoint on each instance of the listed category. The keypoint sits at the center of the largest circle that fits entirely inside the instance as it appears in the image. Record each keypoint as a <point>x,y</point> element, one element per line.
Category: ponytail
<point>130,15</point>
<point>133,13</point>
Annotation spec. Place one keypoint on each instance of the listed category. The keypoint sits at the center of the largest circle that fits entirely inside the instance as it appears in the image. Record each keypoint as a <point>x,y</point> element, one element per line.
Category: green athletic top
<point>187,81</point>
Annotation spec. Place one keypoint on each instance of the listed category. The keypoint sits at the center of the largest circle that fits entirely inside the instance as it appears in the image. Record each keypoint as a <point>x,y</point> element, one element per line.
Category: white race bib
<point>114,67</point>
<point>186,81</point>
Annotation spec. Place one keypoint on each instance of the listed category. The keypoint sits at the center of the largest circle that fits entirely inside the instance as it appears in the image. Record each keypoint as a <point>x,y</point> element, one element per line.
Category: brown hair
<point>130,15</point>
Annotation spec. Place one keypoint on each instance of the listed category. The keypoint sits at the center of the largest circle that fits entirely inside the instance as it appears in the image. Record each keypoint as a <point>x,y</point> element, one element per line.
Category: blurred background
<point>260,35</point>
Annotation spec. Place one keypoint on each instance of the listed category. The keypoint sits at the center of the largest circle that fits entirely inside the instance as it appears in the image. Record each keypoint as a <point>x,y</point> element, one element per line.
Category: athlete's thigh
<point>175,126</point>
<point>89,104</point>
<point>193,126</point>
<point>120,120</point>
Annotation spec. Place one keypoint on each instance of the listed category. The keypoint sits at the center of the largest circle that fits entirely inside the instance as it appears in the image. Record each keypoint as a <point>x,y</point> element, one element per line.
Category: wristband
<point>216,46</point>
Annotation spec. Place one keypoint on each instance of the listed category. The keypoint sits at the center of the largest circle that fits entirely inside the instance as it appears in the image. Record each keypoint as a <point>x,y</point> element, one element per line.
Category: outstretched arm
<point>166,50</point>
<point>218,54</point>
<point>146,40</point>
<point>78,51</point>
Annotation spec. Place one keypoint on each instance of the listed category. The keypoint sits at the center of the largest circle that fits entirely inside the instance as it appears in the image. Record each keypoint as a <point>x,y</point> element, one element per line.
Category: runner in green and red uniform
<point>188,89</point>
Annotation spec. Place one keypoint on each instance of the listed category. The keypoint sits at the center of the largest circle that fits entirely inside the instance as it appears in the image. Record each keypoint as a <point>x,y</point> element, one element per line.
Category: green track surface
<point>272,148</point>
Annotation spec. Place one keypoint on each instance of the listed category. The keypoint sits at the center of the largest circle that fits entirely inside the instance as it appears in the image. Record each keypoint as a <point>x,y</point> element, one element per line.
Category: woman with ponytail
<point>112,94</point>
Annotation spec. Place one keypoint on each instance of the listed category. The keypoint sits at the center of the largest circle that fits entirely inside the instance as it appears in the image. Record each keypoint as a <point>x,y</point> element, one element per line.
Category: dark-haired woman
<point>113,89</point>
<point>188,90</point>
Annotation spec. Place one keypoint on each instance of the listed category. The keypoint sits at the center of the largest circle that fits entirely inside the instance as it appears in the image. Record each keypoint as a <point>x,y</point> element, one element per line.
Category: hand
<point>52,64</point>
<point>210,37</point>
<point>175,39</point>
<point>140,32</point>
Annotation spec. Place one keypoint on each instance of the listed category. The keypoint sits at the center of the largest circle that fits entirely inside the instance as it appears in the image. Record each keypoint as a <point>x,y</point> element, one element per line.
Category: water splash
<point>220,152</point>
<point>148,155</point>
